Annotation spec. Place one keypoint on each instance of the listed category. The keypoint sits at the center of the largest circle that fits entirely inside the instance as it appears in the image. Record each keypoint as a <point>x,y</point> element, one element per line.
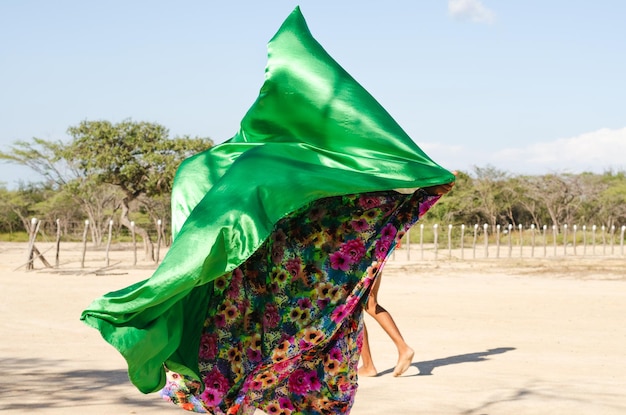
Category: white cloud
<point>595,151</point>
<point>448,156</point>
<point>472,10</point>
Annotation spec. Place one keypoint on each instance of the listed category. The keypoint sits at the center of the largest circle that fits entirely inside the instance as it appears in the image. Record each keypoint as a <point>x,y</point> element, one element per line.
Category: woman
<point>278,234</point>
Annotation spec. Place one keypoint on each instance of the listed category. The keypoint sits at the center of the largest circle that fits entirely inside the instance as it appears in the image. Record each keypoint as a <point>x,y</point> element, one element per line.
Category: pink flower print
<point>285,403</point>
<point>208,346</point>
<point>314,381</point>
<point>270,317</point>
<point>340,260</point>
<point>294,266</point>
<point>211,397</point>
<point>214,379</point>
<point>339,314</point>
<point>233,291</point>
<point>323,302</point>
<point>302,381</point>
<point>382,248</point>
<point>335,354</point>
<point>281,367</point>
<point>298,382</point>
<point>256,385</point>
<point>368,202</point>
<point>305,303</point>
<point>237,277</point>
<point>243,305</point>
<point>220,320</point>
<point>355,249</point>
<point>360,225</point>
<point>254,355</point>
<point>279,237</point>
<point>304,344</point>
<point>388,232</point>
<point>277,254</point>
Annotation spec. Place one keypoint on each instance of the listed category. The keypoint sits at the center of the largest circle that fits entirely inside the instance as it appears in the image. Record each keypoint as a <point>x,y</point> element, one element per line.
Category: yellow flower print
<point>332,366</point>
<point>312,335</point>
<point>279,275</point>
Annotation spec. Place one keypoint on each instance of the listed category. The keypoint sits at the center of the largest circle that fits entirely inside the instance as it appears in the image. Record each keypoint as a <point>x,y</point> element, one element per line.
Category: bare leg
<point>367,369</point>
<point>382,316</point>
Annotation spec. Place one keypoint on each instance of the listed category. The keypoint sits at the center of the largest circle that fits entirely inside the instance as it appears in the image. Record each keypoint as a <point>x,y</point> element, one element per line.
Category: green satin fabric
<point>313,132</point>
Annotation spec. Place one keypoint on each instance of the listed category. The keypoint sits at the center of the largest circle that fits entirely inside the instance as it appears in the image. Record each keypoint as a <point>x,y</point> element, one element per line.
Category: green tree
<point>106,167</point>
<point>139,158</point>
<point>456,206</point>
<point>10,222</point>
<point>491,193</point>
<point>21,204</point>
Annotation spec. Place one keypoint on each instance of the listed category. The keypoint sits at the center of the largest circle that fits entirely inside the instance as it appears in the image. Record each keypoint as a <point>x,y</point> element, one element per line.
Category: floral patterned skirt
<point>283,331</point>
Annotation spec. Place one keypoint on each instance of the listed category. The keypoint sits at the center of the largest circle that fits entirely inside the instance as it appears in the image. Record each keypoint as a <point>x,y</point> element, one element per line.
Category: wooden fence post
<point>408,243</point>
<point>436,238</point>
<point>158,252</point>
<point>132,232</point>
<point>109,241</point>
<point>520,227</point>
<point>497,241</point>
<point>485,226</point>
<point>82,261</point>
<point>32,234</point>
<point>463,241</point>
<point>574,240</point>
<point>532,240</point>
<point>58,244</point>
<point>565,239</point>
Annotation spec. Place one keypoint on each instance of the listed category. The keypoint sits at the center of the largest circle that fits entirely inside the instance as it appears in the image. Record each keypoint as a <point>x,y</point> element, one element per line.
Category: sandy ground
<point>510,336</point>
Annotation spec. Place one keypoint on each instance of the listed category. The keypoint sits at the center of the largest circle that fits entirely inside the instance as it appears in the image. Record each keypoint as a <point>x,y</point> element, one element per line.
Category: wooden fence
<point>422,242</point>
<point>462,242</point>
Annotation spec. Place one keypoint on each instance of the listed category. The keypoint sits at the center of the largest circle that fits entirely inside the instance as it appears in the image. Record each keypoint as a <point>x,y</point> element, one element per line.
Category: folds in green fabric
<point>313,132</point>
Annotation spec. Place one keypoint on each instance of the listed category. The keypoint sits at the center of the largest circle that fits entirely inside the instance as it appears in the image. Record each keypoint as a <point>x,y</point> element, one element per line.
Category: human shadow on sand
<point>33,383</point>
<point>426,368</point>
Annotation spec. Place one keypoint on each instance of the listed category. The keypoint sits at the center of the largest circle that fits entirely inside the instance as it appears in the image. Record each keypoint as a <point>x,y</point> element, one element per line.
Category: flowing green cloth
<point>313,132</point>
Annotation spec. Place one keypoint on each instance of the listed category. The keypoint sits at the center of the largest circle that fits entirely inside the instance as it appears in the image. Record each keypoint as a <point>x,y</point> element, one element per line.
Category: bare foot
<point>404,362</point>
<point>368,371</point>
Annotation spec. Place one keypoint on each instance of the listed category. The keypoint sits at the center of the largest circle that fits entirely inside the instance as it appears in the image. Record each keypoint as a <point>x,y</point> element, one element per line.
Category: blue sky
<point>525,86</point>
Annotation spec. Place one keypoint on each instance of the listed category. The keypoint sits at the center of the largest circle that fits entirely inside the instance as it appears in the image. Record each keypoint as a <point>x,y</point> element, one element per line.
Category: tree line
<point>487,195</point>
<point>124,172</point>
<point>106,171</point>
